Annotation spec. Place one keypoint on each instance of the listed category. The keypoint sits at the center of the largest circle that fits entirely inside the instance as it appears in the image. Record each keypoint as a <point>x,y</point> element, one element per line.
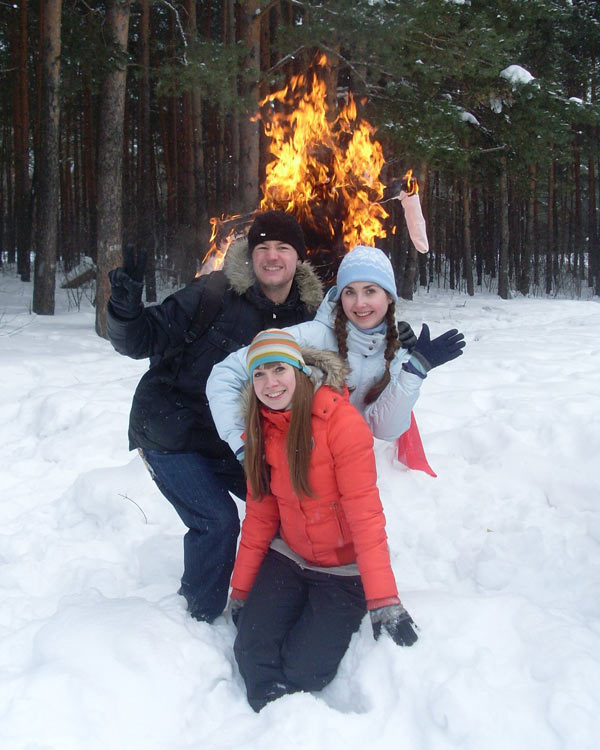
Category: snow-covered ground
<point>498,559</point>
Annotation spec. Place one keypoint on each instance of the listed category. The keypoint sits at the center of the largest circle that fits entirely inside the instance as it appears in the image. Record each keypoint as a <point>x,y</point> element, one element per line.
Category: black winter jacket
<point>170,411</point>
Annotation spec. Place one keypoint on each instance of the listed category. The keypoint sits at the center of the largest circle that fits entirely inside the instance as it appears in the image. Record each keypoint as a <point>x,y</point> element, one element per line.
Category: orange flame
<point>221,238</point>
<point>410,184</point>
<point>326,173</point>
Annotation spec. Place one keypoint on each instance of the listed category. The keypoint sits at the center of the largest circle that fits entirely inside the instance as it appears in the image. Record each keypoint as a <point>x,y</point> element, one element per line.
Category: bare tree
<point>48,175</point>
<point>110,178</point>
<point>468,252</point>
<point>249,127</point>
<point>21,141</point>
<point>146,230</point>
<point>503,291</point>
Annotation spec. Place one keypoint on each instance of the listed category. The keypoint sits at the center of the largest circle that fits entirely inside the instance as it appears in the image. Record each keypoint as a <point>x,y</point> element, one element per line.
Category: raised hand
<point>134,264</point>
<point>127,283</point>
<point>435,352</point>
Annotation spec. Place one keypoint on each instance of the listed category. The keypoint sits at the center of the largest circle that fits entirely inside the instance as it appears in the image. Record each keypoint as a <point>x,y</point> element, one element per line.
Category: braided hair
<point>392,345</point>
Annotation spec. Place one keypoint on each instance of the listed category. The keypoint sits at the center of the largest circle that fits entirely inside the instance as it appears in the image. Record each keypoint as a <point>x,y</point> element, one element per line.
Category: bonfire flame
<point>326,173</point>
<point>222,234</point>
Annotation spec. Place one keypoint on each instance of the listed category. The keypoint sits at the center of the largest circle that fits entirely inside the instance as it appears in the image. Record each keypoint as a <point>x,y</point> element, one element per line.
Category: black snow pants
<point>295,628</point>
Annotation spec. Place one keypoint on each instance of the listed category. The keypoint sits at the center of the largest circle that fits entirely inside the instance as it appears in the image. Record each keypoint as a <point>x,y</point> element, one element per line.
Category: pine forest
<point>167,123</point>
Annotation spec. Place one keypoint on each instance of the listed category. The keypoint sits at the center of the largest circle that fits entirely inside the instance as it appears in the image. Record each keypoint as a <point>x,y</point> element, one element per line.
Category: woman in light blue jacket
<point>357,319</point>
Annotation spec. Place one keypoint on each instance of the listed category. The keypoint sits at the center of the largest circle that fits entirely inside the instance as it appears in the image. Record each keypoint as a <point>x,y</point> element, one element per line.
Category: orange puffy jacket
<point>344,522</point>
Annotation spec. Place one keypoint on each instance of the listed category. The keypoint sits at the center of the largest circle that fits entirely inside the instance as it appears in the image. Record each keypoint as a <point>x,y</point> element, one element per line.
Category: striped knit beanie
<point>274,345</point>
<point>366,264</point>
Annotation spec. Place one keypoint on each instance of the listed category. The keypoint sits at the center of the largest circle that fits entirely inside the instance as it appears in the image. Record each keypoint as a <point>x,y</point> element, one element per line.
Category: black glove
<point>396,621</point>
<point>436,352</point>
<point>406,335</point>
<point>407,184</point>
<point>395,187</point>
<point>235,609</point>
<point>127,284</point>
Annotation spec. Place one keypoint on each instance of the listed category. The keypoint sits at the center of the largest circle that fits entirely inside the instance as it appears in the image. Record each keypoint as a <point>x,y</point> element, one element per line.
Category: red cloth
<point>410,449</point>
<point>378,603</point>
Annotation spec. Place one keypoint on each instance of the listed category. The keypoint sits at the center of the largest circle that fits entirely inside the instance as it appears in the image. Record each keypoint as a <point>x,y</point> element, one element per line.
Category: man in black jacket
<point>269,285</point>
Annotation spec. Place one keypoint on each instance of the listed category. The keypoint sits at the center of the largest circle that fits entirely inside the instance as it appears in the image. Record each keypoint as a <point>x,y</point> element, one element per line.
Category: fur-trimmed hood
<point>238,269</point>
<point>327,368</point>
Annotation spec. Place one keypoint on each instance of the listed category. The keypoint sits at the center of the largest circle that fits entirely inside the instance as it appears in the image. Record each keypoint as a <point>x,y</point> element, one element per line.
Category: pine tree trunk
<point>535,232</point>
<point>169,166</point>
<point>80,217</point>
<point>128,171</point>
<point>187,229</point>
<point>66,243</point>
<point>110,155</point>
<point>265,64</point>
<point>249,127</point>
<point>468,253</point>
<point>524,280</point>
<point>593,245</point>
<point>5,193</point>
<point>21,144</point>
<point>479,236</point>
<point>89,169</point>
<point>437,228</point>
<point>550,232</point>
<point>146,230</point>
<point>410,272</point>
<point>578,241</point>
<point>170,143</point>
<point>48,175</point>
<point>425,197</point>
<point>200,217</point>
<point>451,235</point>
<point>503,291</point>
<point>230,167</point>
<point>491,232</point>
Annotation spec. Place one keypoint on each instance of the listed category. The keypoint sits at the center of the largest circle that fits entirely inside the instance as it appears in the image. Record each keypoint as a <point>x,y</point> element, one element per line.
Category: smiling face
<point>274,265</point>
<point>274,384</point>
<point>365,303</point>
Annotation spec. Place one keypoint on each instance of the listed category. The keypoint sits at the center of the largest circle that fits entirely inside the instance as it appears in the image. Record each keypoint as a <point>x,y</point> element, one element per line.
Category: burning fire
<point>218,244</point>
<point>410,184</point>
<point>326,173</point>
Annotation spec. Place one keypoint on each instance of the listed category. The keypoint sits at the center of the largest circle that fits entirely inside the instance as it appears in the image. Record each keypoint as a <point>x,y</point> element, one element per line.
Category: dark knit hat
<point>277,225</point>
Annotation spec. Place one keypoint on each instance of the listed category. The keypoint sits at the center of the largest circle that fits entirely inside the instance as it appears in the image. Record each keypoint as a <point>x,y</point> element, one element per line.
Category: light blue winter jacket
<point>388,417</point>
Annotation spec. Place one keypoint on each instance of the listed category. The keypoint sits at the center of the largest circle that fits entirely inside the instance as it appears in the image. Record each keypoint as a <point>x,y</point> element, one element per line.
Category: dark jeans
<point>295,628</point>
<point>198,488</point>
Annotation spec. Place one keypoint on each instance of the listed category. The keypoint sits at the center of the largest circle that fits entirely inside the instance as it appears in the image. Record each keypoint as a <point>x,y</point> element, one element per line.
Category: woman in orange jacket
<point>313,554</point>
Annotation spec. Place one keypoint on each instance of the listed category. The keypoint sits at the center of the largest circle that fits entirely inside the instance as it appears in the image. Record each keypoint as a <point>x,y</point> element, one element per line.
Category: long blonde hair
<point>299,440</point>
<point>391,347</point>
